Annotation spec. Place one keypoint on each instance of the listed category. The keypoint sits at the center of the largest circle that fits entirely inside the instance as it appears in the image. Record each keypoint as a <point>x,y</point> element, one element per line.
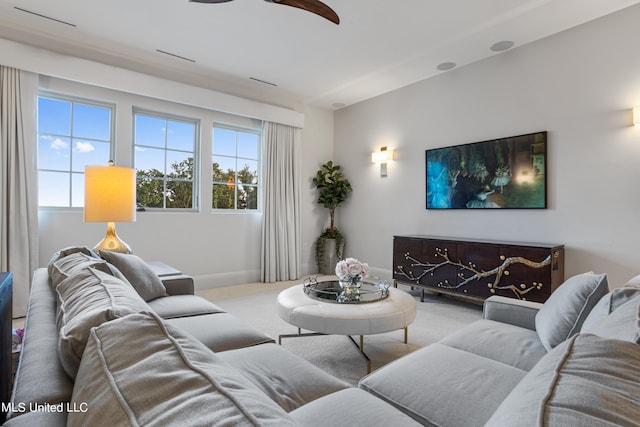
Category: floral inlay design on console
<point>469,272</point>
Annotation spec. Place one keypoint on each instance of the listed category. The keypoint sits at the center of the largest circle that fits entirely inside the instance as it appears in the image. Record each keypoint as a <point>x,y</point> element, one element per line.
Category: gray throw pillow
<point>622,324</point>
<point>563,314</point>
<point>633,282</point>
<point>88,299</point>
<point>63,253</point>
<point>71,264</point>
<point>607,305</point>
<point>138,273</point>
<point>137,370</point>
<point>585,381</point>
<point>72,250</point>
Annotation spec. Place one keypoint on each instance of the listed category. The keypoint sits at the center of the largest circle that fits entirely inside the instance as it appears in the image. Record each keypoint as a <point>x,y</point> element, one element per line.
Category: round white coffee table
<point>396,311</point>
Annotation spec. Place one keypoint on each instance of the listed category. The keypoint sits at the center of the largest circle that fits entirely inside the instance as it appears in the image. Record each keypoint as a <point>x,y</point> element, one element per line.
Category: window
<point>235,168</point>
<point>71,135</point>
<point>164,158</point>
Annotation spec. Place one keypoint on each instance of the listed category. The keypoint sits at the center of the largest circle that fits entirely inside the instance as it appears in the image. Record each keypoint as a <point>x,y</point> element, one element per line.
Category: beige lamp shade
<point>109,194</point>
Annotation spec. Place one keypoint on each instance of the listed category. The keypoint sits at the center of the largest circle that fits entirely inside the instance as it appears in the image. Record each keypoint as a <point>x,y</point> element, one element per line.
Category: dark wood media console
<point>476,269</point>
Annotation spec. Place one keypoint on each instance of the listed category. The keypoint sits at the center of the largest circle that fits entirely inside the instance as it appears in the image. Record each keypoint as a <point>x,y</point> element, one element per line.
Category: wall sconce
<point>382,157</point>
<point>110,196</point>
<point>636,116</point>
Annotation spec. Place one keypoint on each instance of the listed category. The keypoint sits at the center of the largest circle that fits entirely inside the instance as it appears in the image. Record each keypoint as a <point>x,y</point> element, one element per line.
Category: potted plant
<point>333,189</point>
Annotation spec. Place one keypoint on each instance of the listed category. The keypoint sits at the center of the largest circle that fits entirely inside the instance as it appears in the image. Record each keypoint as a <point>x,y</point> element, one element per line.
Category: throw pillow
<point>138,273</point>
<point>607,305</point>
<point>140,371</point>
<point>72,250</point>
<point>89,299</point>
<point>587,380</point>
<point>563,313</point>
<point>71,264</point>
<point>622,324</point>
<point>633,282</point>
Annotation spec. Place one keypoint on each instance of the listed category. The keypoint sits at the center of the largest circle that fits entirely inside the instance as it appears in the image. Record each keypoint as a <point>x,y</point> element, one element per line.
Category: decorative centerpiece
<point>351,272</point>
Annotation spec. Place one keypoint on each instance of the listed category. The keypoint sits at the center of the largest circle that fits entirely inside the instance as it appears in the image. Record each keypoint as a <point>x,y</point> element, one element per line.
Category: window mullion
<point>166,166</point>
<point>70,201</point>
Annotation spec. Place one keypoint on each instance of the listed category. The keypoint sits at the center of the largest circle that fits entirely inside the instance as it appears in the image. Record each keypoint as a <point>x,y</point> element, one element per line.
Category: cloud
<point>59,144</point>
<point>84,147</point>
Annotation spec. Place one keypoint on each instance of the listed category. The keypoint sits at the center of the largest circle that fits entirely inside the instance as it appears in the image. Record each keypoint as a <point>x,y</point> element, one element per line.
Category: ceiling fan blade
<point>313,6</point>
<point>210,1</point>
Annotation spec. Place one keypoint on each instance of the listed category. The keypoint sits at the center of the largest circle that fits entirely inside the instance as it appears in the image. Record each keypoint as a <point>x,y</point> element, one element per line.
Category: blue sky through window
<point>160,142</point>
<point>71,135</point>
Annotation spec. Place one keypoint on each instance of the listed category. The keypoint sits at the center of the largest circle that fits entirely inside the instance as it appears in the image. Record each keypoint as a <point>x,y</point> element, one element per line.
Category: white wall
<point>579,85</point>
<point>317,150</point>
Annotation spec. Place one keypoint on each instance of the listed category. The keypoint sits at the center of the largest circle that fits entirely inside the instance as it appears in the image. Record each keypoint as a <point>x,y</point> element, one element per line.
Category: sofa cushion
<point>220,331</point>
<point>350,408</point>
<point>563,313</point>
<point>489,339</point>
<point>587,380</point>
<point>173,306</point>
<point>608,304</point>
<point>140,371</point>
<point>138,273</point>
<point>287,379</point>
<point>440,385</point>
<point>89,299</point>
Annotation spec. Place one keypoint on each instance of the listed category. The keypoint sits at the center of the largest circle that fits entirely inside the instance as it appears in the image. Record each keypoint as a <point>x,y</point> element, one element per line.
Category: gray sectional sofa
<point>107,343</point>
<point>574,361</point>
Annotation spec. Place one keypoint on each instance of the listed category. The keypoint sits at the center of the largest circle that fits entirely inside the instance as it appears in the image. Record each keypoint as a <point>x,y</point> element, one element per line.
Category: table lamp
<point>110,196</point>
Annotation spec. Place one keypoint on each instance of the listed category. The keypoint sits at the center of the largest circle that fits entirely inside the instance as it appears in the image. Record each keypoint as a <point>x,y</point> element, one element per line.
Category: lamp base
<point>112,242</point>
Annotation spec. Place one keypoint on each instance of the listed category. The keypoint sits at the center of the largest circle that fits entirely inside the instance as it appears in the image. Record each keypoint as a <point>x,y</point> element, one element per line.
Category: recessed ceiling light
<point>446,66</point>
<point>502,46</point>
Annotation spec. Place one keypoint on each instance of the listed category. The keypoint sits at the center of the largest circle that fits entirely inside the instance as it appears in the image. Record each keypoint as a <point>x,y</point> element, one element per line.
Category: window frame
<point>196,155</point>
<point>72,99</point>
<point>258,186</point>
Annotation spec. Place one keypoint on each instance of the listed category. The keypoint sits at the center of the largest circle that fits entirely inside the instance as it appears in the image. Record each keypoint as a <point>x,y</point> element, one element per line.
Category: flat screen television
<point>506,173</point>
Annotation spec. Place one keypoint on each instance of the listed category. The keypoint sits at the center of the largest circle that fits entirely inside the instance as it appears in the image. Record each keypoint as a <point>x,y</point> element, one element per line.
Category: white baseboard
<point>210,281</point>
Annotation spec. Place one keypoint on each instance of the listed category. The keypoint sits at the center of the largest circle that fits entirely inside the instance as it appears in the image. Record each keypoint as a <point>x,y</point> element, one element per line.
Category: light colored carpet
<point>256,304</point>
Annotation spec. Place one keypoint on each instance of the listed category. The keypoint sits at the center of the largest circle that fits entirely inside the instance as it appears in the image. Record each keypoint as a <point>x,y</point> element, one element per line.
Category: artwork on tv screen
<point>507,173</point>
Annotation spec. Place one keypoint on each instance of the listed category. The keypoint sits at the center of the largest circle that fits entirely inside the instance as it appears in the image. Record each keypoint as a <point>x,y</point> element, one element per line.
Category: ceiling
<point>295,57</point>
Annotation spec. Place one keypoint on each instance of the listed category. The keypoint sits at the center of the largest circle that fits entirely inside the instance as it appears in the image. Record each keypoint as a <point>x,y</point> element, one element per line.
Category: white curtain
<point>18,181</point>
<point>281,251</point>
